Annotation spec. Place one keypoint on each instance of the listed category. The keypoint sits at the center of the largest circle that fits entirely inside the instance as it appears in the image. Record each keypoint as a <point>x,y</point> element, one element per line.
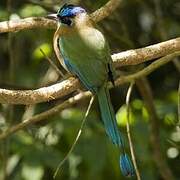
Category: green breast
<point>88,54</point>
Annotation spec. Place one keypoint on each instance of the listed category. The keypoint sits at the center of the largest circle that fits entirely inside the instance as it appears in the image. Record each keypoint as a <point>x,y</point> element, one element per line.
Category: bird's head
<point>70,15</point>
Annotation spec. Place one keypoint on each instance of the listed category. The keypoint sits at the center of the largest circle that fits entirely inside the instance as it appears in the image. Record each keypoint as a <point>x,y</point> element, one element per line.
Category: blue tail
<point>108,116</point>
<point>126,165</point>
<point>110,123</point>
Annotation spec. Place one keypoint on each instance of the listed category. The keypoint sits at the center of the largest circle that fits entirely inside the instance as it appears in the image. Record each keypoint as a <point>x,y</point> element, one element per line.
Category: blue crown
<point>70,10</point>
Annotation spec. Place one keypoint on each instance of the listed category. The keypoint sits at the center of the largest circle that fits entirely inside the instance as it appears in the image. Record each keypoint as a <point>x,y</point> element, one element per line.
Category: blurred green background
<point>34,153</point>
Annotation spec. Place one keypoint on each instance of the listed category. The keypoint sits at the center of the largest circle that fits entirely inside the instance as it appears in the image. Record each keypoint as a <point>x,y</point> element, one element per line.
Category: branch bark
<point>41,22</point>
<point>69,85</point>
<point>27,23</point>
<point>83,95</point>
<point>39,95</point>
<point>137,56</point>
<point>44,115</point>
<point>105,10</point>
<point>130,57</point>
<point>146,71</point>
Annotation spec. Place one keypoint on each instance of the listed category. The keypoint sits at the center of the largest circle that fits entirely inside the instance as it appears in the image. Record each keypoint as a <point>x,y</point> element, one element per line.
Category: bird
<point>86,54</point>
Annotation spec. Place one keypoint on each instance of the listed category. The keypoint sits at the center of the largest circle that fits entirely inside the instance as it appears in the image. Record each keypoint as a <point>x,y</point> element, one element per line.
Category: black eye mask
<point>66,20</point>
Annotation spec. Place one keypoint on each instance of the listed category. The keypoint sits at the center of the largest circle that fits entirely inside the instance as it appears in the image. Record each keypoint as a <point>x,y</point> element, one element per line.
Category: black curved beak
<point>52,17</point>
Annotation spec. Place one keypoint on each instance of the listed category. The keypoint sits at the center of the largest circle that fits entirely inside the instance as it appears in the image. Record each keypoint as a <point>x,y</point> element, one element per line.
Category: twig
<point>68,86</point>
<point>160,161</point>
<point>77,138</point>
<point>129,132</point>
<point>174,144</point>
<point>44,115</point>
<point>52,64</point>
<point>177,64</point>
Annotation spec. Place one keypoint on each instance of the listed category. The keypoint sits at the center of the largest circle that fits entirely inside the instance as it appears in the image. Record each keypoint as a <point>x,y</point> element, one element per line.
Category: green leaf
<point>46,48</point>
<point>122,116</point>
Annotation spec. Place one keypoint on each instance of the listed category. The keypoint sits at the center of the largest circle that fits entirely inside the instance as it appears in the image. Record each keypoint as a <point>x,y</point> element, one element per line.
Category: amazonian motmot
<point>86,54</point>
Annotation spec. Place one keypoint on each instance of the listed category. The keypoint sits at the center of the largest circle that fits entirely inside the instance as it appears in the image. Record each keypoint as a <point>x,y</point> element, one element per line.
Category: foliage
<point>35,152</point>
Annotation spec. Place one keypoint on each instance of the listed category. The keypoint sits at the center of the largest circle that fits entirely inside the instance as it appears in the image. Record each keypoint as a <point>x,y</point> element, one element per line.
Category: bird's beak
<point>52,16</point>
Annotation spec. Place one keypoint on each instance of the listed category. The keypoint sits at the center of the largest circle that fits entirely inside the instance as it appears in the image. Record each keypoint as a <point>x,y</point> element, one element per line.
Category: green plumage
<point>86,54</point>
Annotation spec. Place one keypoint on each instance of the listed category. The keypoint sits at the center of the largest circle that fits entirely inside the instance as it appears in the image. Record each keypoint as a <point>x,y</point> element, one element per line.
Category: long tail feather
<point>110,123</point>
<point>126,165</point>
<point>108,116</point>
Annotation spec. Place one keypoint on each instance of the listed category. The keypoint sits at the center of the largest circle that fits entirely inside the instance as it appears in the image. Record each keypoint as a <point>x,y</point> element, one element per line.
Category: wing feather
<point>86,54</point>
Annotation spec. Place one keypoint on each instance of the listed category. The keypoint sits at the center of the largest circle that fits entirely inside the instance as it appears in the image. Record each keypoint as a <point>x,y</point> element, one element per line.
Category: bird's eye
<point>66,20</point>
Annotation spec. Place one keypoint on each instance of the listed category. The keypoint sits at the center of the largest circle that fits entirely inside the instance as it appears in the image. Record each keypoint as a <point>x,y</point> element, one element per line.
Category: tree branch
<point>130,57</point>
<point>146,71</point>
<point>39,95</point>
<point>40,22</point>
<point>137,56</point>
<point>105,10</point>
<point>69,85</point>
<point>27,23</point>
<point>83,95</point>
<point>44,115</point>
<point>160,161</point>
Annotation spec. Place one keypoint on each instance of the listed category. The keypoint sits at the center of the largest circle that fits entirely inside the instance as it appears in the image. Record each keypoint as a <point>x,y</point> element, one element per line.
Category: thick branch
<point>81,96</point>
<point>130,57</point>
<point>40,22</point>
<point>146,71</point>
<point>27,23</point>
<point>61,89</point>
<point>39,95</point>
<point>66,87</point>
<point>44,115</point>
<point>137,56</point>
